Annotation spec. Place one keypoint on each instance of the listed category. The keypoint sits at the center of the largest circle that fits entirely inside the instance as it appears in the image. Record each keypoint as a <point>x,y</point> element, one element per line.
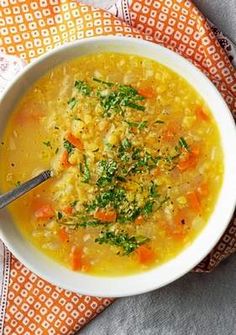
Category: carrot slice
<point>203,189</point>
<point>26,115</point>
<point>189,161</point>
<point>75,141</point>
<point>202,114</point>
<point>145,255</point>
<point>193,201</point>
<point>77,261</point>
<point>139,220</point>
<point>177,230</point>
<point>45,212</point>
<point>146,92</point>
<point>76,258</point>
<point>68,210</point>
<point>63,235</point>
<point>156,172</point>
<point>177,233</point>
<point>108,216</point>
<point>170,131</point>
<point>169,134</point>
<point>179,218</point>
<point>64,160</point>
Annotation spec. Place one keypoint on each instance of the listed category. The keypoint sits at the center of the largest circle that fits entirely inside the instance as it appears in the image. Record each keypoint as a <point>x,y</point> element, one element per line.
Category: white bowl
<point>191,256</point>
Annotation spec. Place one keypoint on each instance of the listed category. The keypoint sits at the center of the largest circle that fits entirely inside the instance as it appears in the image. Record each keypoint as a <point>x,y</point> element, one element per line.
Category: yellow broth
<point>137,163</point>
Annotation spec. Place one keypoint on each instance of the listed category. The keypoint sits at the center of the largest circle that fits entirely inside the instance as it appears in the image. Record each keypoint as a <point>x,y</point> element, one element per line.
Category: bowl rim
<point>111,285</point>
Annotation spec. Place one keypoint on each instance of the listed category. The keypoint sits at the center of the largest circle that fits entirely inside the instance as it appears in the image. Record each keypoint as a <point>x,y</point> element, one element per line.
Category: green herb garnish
<point>143,162</point>
<point>109,84</point>
<point>72,102</point>
<point>59,215</point>
<point>48,144</point>
<point>83,87</point>
<point>68,146</point>
<point>118,98</point>
<point>148,207</point>
<point>126,144</point>
<point>113,197</point>
<point>159,121</point>
<point>129,211</point>
<point>91,223</point>
<point>74,203</point>
<point>107,169</point>
<point>138,125</point>
<point>84,169</point>
<point>183,144</point>
<point>123,148</point>
<point>162,202</point>
<point>153,190</point>
<point>122,240</point>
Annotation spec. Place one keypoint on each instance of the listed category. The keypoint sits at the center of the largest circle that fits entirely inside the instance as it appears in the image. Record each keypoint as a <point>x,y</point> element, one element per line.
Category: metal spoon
<point>7,198</point>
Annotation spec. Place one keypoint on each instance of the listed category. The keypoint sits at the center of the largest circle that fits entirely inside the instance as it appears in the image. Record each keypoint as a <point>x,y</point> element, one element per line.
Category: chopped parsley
<point>91,223</point>
<point>126,144</point>
<point>107,169</point>
<point>144,161</point>
<point>72,102</point>
<point>109,84</point>
<point>123,148</point>
<point>183,144</point>
<point>83,87</point>
<point>148,207</point>
<point>68,146</point>
<point>59,215</point>
<point>119,97</point>
<point>76,221</point>
<point>139,125</point>
<point>74,203</point>
<point>129,211</point>
<point>153,190</point>
<point>159,121</point>
<point>84,169</point>
<point>48,144</point>
<point>122,240</point>
<point>162,202</point>
<point>113,197</point>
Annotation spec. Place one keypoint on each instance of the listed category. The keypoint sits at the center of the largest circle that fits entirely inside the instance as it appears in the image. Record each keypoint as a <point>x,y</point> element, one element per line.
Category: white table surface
<point>197,304</point>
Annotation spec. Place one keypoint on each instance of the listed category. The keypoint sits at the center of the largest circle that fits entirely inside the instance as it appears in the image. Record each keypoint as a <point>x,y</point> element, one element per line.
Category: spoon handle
<point>12,195</point>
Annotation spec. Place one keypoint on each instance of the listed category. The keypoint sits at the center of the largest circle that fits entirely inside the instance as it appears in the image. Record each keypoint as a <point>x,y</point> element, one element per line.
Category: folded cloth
<point>30,305</point>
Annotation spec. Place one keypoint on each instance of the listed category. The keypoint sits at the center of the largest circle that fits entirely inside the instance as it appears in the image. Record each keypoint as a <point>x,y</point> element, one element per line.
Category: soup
<point>136,158</point>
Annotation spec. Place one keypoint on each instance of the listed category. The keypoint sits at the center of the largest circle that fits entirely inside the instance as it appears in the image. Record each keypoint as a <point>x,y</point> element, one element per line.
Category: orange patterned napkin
<point>30,305</point>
